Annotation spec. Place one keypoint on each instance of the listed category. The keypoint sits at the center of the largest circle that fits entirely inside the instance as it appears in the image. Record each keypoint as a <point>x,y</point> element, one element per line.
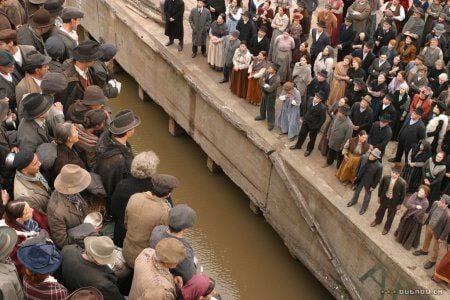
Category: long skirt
<point>254,93</point>
<point>289,119</point>
<point>443,269</point>
<point>347,169</point>
<point>215,55</point>
<point>408,232</point>
<point>337,91</point>
<point>275,34</point>
<point>284,60</point>
<point>335,35</point>
<point>239,82</point>
<point>413,178</point>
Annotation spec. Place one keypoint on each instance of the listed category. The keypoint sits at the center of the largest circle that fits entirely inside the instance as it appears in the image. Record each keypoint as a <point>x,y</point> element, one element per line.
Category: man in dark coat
<point>366,56</point>
<point>71,18</point>
<point>200,20</point>
<point>9,78</point>
<point>380,134</point>
<point>387,108</point>
<point>31,34</point>
<point>368,174</point>
<point>378,66</point>
<point>391,192</point>
<point>216,7</point>
<point>355,91</point>
<point>346,36</point>
<point>412,131</point>
<point>312,122</point>
<point>114,153</point>
<point>100,72</point>
<point>269,84</point>
<point>259,42</point>
<point>246,27</point>
<point>320,40</point>
<point>383,35</point>
<point>361,115</point>
<point>174,10</point>
<point>319,83</point>
<point>310,5</point>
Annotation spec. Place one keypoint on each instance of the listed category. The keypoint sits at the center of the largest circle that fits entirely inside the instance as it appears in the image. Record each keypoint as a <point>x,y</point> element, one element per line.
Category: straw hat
<point>72,179</point>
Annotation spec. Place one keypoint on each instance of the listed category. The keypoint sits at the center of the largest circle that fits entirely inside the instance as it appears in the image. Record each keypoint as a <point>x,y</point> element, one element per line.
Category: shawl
<point>258,65</point>
<point>412,211</point>
<point>435,168</point>
<point>219,30</point>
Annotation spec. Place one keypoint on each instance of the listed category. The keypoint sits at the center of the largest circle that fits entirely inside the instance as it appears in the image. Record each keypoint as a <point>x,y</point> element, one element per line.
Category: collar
<point>38,81</point>
<point>18,57</point>
<point>73,34</point>
<point>7,77</point>
<point>40,122</point>
<point>81,72</point>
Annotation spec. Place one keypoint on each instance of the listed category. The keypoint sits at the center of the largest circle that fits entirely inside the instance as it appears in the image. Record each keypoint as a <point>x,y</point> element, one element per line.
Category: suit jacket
<point>200,25</point>
<point>10,88</point>
<point>256,47</point>
<point>398,192</point>
<point>383,37</point>
<point>37,196</point>
<point>346,37</point>
<point>30,135</point>
<point>410,135</point>
<point>379,137</point>
<point>318,45</point>
<point>315,115</point>
<point>274,82</point>
<point>362,119</point>
<point>389,110</point>
<point>375,69</point>
<point>246,31</point>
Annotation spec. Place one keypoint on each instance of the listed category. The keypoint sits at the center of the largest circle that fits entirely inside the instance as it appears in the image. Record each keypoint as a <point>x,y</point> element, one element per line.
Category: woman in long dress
<point>289,120</point>
<point>233,14</point>
<point>217,34</point>
<point>354,148</point>
<point>412,172</point>
<point>339,82</point>
<point>279,24</point>
<point>256,70</point>
<point>410,227</point>
<point>239,78</point>
<point>433,172</point>
<point>282,55</point>
<point>302,77</point>
<point>325,61</point>
<point>337,7</point>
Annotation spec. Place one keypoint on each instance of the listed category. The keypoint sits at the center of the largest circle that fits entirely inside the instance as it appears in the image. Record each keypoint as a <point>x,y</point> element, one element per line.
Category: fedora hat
<point>170,251</point>
<point>40,258</point>
<point>367,98</point>
<point>35,105</point>
<point>87,51</point>
<point>35,59</point>
<point>124,121</point>
<point>439,28</point>
<point>8,239</point>
<point>54,7</point>
<point>7,35</point>
<point>41,18</point>
<point>376,152</point>
<point>86,293</point>
<point>94,95</point>
<point>323,73</point>
<point>101,249</point>
<point>72,179</point>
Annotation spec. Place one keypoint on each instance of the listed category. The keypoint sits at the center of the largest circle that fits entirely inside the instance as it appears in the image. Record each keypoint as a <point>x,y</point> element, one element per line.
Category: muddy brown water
<point>239,249</point>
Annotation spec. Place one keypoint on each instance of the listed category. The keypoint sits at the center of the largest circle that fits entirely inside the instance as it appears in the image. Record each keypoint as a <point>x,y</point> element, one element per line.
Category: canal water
<point>237,248</point>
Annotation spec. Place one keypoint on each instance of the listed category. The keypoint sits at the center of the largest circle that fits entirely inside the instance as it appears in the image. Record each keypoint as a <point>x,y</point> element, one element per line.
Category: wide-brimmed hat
<point>72,179</point>
<point>7,35</point>
<point>54,7</point>
<point>181,217</point>
<point>101,249</point>
<point>441,105</point>
<point>40,258</point>
<point>6,58</point>
<point>439,28</point>
<point>8,239</point>
<point>367,98</point>
<point>94,95</point>
<point>41,18</point>
<point>124,121</point>
<point>86,293</point>
<point>376,152</point>
<point>34,59</point>
<point>35,105</point>
<point>87,51</point>
<point>170,251</point>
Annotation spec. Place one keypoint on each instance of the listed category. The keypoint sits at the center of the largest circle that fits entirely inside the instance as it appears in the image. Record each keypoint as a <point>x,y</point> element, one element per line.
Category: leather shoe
<point>180,47</point>
<point>169,43</point>
<point>429,264</point>
<point>307,153</point>
<point>270,128</point>
<point>374,223</point>
<point>351,203</point>
<point>419,252</point>
<point>204,54</point>
<point>362,211</point>
<point>223,81</point>
<point>294,147</point>
<point>392,160</point>
<point>385,231</point>
<point>259,118</point>
<point>194,55</point>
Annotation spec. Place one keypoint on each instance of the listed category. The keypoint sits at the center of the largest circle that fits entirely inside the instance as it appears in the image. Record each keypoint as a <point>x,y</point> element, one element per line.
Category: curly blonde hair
<point>144,165</point>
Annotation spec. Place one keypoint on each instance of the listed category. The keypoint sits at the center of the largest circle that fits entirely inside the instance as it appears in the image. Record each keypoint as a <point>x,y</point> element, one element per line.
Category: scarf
<point>29,225</point>
<point>74,199</point>
<point>435,168</point>
<point>38,179</point>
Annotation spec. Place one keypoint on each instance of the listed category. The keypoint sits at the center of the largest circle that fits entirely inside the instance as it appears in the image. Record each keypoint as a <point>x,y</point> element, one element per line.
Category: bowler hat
<point>163,184</point>
<point>367,98</point>
<point>94,95</point>
<point>376,152</point>
<point>323,73</point>
<point>385,118</point>
<point>170,251</point>
<point>7,35</point>
<point>124,121</point>
<point>418,111</point>
<point>35,105</point>
<point>6,58</point>
<point>86,293</point>
<point>87,51</point>
<point>181,217</point>
<point>8,239</point>
<point>40,258</point>
<point>101,249</point>
<point>22,159</point>
<point>439,28</point>
<point>54,82</point>
<point>446,198</point>
<point>441,105</point>
<point>321,24</point>
<point>321,95</point>
<point>72,179</point>
<point>54,7</point>
<point>69,13</point>
<point>109,50</point>
<point>55,47</point>
<point>35,59</point>
<point>41,18</point>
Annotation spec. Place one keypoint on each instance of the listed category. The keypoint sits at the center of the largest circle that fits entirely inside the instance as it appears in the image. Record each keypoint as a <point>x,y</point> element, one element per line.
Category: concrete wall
<point>320,234</point>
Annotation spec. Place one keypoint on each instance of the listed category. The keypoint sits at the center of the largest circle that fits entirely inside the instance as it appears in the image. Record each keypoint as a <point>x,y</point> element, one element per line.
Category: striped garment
<point>50,289</point>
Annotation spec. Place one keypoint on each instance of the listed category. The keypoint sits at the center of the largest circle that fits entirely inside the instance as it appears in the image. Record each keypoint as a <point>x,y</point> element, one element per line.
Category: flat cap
<point>55,47</point>
<point>181,217</point>
<point>7,35</point>
<point>22,159</point>
<point>170,251</point>
<point>163,184</point>
<point>6,58</point>
<point>109,50</point>
<point>53,82</point>
<point>71,13</point>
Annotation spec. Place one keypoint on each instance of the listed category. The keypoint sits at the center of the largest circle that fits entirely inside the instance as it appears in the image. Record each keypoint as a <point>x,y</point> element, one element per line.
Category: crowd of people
<point>81,215</point>
<point>367,73</point>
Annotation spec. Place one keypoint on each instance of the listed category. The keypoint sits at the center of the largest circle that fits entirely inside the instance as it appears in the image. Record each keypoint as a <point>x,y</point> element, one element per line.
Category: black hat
<point>94,95</point>
<point>109,50</point>
<point>181,217</point>
<point>55,47</point>
<point>321,95</point>
<point>163,184</point>
<point>441,105</point>
<point>275,66</point>
<point>41,18</point>
<point>35,59</point>
<point>54,7</point>
<point>322,24</point>
<point>385,118</point>
<point>87,51</point>
<point>369,44</point>
<point>418,111</point>
<point>35,105</point>
<point>323,73</point>
<point>22,159</point>
<point>6,59</point>
<point>54,82</point>
<point>69,13</point>
<point>124,121</point>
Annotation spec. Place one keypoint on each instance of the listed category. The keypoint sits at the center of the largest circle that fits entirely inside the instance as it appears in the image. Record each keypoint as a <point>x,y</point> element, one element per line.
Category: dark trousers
<point>367,195</point>
<point>333,155</point>
<point>400,151</point>
<point>195,49</point>
<point>268,106</point>
<point>226,72</point>
<point>385,204</point>
<point>302,137</point>
<point>172,39</point>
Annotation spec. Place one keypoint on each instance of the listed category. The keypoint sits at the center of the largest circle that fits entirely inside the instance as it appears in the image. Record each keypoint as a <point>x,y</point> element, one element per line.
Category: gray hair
<point>443,76</point>
<point>63,132</point>
<point>404,86</point>
<point>144,165</point>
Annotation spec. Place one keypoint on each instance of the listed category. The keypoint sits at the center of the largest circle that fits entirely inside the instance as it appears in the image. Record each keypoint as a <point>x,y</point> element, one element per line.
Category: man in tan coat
<point>330,20</point>
<point>144,212</point>
<point>359,11</point>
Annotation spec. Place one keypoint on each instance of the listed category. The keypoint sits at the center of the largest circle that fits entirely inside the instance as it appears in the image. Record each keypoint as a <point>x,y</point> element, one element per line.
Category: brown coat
<point>143,213</point>
<point>330,22</point>
<point>36,194</point>
<point>359,20</point>
<point>62,216</point>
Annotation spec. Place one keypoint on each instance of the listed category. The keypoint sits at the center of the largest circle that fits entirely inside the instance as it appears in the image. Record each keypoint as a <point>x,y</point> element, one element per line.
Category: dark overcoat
<point>200,25</point>
<point>174,9</point>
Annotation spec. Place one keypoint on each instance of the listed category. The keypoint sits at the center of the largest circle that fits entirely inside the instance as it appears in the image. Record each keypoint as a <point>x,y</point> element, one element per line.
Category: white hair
<point>404,86</point>
<point>443,76</point>
<point>144,165</point>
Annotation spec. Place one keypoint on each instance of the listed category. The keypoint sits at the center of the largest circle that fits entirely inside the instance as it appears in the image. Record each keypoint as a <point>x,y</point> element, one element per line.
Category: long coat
<point>75,89</point>
<point>368,179</point>
<point>319,44</point>
<point>37,196</point>
<point>62,216</point>
<point>410,135</point>
<point>346,37</point>
<point>30,135</point>
<point>10,285</point>
<point>174,9</point>
<point>69,42</point>
<point>200,25</point>
<point>359,20</point>
<point>379,137</point>
<point>398,192</point>
<point>339,132</point>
